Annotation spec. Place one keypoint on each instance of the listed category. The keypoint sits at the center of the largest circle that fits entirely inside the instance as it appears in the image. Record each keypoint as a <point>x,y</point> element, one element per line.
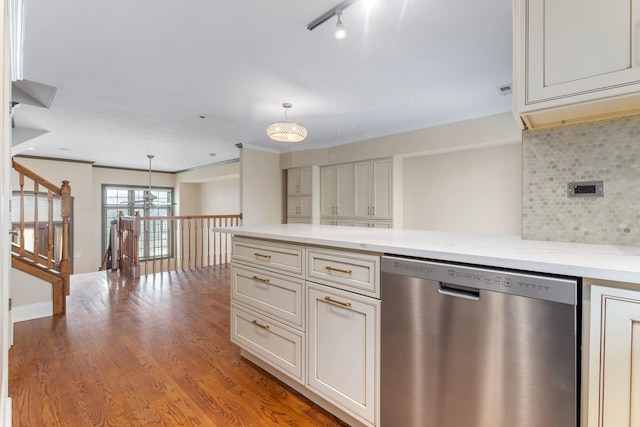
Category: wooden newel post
<point>136,245</point>
<point>65,262</point>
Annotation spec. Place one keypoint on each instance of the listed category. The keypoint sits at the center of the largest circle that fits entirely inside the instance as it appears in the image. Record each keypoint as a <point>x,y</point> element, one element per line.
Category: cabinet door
<point>614,358</point>
<point>306,205</point>
<point>344,190</point>
<point>342,349</point>
<point>381,192</point>
<point>578,50</point>
<point>293,206</point>
<point>362,189</point>
<point>306,181</point>
<point>327,190</point>
<point>293,181</point>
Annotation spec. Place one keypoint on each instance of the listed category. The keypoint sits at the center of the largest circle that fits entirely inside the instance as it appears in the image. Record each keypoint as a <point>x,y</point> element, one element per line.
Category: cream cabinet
<point>372,189</point>
<point>268,300</point>
<point>569,53</point>
<point>299,181</point>
<point>336,191</point>
<point>342,349</point>
<point>357,193</point>
<point>614,358</point>
<point>302,195</point>
<point>310,316</point>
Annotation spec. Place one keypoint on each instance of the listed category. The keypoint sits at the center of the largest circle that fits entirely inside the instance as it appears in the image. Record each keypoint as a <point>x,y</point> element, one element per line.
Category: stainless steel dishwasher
<point>469,346</point>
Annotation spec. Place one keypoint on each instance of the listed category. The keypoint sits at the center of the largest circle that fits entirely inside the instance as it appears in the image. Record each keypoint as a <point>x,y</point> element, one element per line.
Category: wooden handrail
<point>35,177</point>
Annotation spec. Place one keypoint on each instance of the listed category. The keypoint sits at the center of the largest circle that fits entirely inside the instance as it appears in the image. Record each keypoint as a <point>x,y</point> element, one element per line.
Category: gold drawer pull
<point>339,270</point>
<point>338,303</point>
<point>255,322</point>
<point>259,255</point>
<point>258,279</point>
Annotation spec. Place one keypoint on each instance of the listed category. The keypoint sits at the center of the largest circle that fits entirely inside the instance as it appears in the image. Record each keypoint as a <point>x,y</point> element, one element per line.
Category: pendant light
<point>286,131</point>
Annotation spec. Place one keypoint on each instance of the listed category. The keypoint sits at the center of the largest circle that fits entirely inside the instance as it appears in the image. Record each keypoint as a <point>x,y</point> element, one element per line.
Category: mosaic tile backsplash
<point>606,151</point>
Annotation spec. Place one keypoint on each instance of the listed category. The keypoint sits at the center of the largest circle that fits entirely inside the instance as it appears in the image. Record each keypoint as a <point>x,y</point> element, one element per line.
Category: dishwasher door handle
<point>458,291</point>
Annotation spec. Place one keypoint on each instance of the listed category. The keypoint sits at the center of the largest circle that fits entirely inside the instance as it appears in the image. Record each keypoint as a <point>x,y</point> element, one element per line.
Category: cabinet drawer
<point>351,271</point>
<point>273,294</point>
<point>273,256</point>
<point>276,344</point>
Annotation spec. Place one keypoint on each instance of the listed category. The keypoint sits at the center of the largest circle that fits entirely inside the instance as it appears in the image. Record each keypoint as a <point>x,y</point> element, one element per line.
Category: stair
<point>38,258</point>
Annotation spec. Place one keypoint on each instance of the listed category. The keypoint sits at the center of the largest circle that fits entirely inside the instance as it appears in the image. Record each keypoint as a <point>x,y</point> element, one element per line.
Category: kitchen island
<point>605,262</point>
<point>306,306</point>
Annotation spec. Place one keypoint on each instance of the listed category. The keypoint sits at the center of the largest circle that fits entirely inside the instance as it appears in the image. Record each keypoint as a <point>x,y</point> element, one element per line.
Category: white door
<point>342,349</point>
<point>614,358</point>
<point>579,50</point>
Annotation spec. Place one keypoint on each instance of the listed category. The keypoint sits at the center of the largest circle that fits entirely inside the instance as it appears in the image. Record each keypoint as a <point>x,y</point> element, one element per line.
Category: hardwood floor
<point>148,352</point>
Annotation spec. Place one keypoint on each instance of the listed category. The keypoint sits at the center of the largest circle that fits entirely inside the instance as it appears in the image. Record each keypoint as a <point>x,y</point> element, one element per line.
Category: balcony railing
<point>155,244</point>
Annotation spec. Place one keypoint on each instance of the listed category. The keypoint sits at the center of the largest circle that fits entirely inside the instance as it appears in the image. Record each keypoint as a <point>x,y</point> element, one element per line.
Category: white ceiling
<point>134,76</point>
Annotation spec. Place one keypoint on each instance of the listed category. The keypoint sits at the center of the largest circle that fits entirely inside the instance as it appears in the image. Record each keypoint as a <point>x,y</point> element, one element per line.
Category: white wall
<point>478,191</point>
<point>189,200</point>
<point>221,196</point>
<point>31,297</point>
<point>261,192</point>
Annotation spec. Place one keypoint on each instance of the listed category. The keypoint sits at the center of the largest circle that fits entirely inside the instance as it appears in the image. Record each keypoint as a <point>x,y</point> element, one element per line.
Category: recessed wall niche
<point>607,150</point>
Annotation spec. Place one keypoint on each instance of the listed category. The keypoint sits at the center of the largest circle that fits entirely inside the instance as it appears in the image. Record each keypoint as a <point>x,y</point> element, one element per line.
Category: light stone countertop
<point>616,263</point>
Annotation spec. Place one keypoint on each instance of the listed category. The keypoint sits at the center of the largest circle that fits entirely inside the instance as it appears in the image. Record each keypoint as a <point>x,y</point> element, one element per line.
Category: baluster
<point>36,230</point>
<point>182,244</point>
<point>22,214</point>
<point>208,241</point>
<point>50,229</point>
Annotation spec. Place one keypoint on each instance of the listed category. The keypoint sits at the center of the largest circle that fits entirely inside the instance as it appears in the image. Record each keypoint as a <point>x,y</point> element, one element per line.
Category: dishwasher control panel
<point>533,285</point>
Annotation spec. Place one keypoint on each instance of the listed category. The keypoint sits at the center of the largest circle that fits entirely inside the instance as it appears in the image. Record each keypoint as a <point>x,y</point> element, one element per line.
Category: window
<point>158,239</point>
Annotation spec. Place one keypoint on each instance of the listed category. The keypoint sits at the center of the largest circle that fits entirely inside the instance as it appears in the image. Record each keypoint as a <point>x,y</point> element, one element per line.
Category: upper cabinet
<point>300,181</point>
<point>373,189</point>
<point>336,186</point>
<point>358,193</point>
<point>576,59</point>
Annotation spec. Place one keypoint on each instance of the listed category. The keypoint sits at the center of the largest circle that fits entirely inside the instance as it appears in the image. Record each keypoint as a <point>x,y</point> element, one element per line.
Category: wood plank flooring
<point>148,352</point>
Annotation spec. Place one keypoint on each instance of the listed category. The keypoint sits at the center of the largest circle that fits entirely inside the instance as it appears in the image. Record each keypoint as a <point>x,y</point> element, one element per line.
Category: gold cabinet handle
<point>259,255</point>
<point>339,270</point>
<point>337,303</point>
<point>259,279</point>
<point>265,327</point>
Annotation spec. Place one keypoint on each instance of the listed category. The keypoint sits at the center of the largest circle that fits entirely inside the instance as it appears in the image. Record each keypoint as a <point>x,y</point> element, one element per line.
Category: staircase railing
<point>155,244</point>
<point>46,254</point>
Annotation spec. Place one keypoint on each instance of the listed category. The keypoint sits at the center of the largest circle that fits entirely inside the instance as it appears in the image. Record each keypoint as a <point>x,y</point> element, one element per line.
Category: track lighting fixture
<point>335,11</point>
<point>340,31</point>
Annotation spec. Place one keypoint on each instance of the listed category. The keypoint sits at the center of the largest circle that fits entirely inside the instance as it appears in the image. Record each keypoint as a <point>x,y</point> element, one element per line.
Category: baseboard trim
<point>8,417</point>
<point>22,313</point>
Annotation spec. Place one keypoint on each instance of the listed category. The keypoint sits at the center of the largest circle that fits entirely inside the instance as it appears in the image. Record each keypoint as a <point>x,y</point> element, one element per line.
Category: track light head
<point>340,31</point>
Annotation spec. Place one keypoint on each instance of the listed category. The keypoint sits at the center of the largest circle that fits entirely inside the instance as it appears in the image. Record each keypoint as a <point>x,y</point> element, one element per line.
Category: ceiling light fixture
<point>286,131</point>
<point>335,11</point>
<point>340,31</point>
